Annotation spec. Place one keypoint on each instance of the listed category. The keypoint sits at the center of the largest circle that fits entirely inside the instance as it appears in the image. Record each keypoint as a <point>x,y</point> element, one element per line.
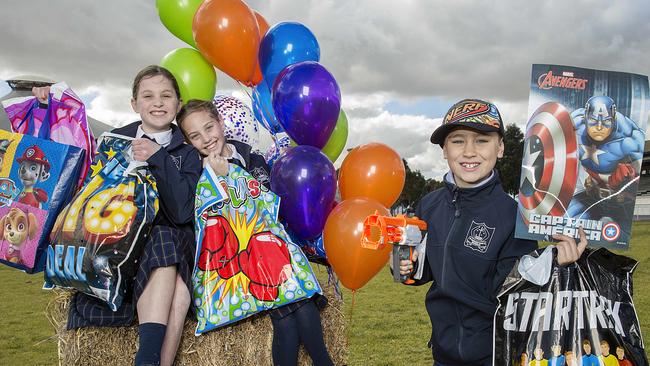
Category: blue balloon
<point>307,101</point>
<point>285,44</point>
<point>263,109</point>
<point>305,180</point>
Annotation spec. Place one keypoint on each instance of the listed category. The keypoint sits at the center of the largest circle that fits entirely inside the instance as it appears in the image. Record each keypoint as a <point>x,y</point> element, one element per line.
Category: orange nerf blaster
<point>404,233</point>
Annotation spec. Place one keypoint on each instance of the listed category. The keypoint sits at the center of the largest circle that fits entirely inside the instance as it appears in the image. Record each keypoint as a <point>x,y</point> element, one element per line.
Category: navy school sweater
<point>177,169</point>
<point>470,250</point>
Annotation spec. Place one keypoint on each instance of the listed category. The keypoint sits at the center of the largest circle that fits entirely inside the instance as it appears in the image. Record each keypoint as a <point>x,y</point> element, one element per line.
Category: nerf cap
<point>471,113</point>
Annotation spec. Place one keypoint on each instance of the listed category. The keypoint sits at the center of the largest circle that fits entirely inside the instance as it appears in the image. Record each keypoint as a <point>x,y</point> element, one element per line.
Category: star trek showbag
<point>581,314</point>
<point>583,149</point>
<point>245,262</point>
<point>98,237</point>
<point>34,187</point>
<point>64,121</point>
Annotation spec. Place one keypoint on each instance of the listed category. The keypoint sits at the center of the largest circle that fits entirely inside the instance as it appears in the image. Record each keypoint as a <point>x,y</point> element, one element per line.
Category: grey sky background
<point>399,65</point>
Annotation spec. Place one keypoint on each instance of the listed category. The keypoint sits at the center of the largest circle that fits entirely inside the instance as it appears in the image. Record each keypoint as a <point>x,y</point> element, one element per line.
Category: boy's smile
<point>471,155</point>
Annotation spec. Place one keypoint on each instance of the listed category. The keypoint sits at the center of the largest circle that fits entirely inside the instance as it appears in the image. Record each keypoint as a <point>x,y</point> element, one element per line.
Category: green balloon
<point>177,17</point>
<point>339,137</point>
<point>195,76</point>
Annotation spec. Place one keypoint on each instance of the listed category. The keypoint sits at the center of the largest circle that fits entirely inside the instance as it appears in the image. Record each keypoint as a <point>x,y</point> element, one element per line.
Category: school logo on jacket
<point>260,174</point>
<point>479,236</point>
<point>176,160</point>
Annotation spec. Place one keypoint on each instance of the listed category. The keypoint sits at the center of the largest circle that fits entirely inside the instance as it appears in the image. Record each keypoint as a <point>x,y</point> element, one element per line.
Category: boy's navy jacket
<point>469,251</point>
<point>177,169</point>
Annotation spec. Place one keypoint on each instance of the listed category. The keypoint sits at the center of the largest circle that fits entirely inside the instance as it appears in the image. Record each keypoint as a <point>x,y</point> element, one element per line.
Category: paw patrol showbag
<point>63,121</point>
<point>245,261</point>
<point>37,179</point>
<point>98,238</point>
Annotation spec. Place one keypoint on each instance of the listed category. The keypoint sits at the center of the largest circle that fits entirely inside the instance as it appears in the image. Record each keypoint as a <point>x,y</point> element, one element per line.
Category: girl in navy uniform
<point>160,294</point>
<point>293,323</point>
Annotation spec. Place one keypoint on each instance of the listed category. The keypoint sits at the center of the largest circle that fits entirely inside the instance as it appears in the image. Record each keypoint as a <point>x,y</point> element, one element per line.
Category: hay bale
<point>247,342</point>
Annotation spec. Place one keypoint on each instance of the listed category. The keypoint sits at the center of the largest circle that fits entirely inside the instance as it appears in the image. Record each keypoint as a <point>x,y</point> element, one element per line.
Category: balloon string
<point>334,282</point>
<point>245,90</point>
<point>352,305</point>
<point>265,112</point>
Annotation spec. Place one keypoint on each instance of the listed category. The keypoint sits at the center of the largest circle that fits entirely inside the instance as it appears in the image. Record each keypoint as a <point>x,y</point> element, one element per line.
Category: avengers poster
<point>583,149</point>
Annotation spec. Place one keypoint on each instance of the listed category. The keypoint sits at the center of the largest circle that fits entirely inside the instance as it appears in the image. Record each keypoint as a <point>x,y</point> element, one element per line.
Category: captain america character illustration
<point>610,149</point>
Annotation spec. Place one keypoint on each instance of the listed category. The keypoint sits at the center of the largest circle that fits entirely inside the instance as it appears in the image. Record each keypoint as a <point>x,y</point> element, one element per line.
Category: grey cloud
<point>419,48</point>
<point>450,48</point>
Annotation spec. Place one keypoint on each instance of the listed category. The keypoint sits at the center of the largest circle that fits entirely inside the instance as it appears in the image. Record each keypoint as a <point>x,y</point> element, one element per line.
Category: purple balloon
<point>305,180</point>
<point>306,102</point>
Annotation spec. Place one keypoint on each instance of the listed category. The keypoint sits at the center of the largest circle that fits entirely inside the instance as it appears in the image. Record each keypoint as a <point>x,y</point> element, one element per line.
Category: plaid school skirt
<point>166,247</point>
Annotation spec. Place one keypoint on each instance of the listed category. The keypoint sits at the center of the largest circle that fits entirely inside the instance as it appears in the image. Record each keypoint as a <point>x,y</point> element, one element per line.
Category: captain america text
<point>552,225</point>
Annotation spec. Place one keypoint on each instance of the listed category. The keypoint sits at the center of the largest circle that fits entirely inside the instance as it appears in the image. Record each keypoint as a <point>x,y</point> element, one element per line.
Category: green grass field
<point>388,324</point>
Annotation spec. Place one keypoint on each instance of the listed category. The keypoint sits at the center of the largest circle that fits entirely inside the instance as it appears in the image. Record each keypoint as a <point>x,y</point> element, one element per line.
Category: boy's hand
<point>406,265</point>
<point>567,250</point>
<point>41,93</point>
<point>218,163</point>
<point>143,149</point>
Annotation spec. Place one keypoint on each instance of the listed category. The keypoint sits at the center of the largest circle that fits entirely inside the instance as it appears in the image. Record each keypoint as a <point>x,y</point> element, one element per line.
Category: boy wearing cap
<point>470,244</point>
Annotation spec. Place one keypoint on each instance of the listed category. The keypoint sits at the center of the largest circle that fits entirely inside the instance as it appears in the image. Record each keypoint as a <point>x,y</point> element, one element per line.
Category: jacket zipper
<point>456,204</point>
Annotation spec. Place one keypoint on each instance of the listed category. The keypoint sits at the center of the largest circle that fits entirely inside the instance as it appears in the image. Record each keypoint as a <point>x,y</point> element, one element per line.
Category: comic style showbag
<point>98,237</point>
<point>583,149</point>
<point>63,121</point>
<point>579,314</point>
<point>245,261</point>
<point>34,187</point>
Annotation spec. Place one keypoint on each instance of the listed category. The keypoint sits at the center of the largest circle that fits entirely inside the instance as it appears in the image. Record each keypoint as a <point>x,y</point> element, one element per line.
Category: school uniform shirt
<point>470,249</point>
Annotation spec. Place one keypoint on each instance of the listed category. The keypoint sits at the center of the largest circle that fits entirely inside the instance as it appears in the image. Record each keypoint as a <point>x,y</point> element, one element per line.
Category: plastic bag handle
<point>44,131</point>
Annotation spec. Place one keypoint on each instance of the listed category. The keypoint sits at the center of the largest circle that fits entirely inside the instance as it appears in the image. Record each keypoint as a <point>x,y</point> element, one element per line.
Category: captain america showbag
<point>581,314</point>
<point>98,238</point>
<point>245,262</point>
<point>583,150</point>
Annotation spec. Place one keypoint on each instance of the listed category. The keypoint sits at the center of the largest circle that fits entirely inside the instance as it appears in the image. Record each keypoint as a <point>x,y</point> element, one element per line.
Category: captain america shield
<point>549,170</point>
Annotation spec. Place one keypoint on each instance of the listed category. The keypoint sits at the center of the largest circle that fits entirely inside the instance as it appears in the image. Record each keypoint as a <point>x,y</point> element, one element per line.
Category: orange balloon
<point>354,265</point>
<point>373,170</point>
<point>227,34</point>
<point>263,26</point>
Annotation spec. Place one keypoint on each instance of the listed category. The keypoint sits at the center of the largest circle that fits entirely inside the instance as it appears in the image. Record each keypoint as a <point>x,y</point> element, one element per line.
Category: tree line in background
<point>509,168</point>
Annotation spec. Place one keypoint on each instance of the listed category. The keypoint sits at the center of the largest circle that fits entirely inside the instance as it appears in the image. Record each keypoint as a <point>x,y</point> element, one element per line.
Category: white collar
<point>236,155</point>
<point>449,177</point>
<point>162,138</point>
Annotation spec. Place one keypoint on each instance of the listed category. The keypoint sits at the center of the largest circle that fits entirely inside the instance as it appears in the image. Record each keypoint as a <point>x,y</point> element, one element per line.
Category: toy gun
<point>404,233</point>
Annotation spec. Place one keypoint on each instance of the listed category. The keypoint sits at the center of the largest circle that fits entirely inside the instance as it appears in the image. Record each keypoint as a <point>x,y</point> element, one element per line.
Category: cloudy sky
<point>399,64</point>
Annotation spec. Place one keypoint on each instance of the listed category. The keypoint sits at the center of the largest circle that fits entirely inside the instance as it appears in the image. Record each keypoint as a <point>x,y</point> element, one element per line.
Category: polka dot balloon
<point>241,124</point>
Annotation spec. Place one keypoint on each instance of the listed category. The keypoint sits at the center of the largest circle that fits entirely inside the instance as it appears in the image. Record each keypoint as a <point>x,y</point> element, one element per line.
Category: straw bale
<point>247,342</point>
